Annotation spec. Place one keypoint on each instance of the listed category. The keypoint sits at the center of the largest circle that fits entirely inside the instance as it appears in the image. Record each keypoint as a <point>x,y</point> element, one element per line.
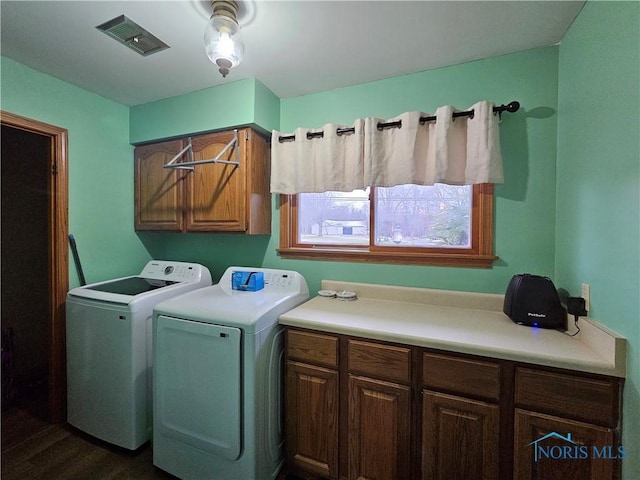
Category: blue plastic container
<point>247,281</point>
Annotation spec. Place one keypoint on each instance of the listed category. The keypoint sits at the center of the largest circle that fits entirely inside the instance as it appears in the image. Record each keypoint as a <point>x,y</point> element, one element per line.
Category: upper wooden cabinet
<point>159,192</point>
<point>212,197</point>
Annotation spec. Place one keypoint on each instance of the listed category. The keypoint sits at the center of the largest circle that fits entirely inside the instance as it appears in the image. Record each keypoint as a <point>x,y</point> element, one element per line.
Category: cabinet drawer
<point>581,398</point>
<point>380,361</point>
<point>312,348</point>
<point>461,375</point>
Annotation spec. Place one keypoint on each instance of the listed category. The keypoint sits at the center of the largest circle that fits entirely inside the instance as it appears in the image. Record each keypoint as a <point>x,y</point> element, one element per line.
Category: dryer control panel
<point>284,281</point>
<point>279,280</point>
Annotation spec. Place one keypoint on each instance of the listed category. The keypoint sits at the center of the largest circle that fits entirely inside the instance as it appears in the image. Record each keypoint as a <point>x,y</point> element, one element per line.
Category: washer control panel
<point>174,271</point>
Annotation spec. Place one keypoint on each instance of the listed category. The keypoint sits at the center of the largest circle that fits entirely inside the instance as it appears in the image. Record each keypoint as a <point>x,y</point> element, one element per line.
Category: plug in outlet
<point>585,291</point>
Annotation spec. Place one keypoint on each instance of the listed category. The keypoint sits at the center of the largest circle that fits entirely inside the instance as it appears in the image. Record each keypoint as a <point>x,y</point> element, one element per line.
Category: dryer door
<point>197,385</point>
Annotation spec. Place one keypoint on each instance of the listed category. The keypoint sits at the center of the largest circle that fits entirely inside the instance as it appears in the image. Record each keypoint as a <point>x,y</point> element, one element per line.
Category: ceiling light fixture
<point>222,38</point>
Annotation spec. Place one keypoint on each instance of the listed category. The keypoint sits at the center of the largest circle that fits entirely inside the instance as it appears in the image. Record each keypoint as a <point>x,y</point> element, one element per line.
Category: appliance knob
<point>168,270</point>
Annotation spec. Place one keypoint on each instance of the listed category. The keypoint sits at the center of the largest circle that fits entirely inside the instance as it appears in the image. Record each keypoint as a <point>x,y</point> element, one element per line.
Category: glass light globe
<point>223,43</point>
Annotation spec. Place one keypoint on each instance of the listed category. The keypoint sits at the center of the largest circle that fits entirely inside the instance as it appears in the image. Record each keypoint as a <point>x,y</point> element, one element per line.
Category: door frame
<point>58,254</point>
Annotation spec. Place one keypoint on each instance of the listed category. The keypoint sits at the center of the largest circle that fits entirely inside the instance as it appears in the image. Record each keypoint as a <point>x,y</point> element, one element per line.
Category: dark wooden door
<point>379,425</point>
<point>159,192</point>
<point>312,418</point>
<point>216,193</point>
<point>541,454</point>
<point>51,168</point>
<point>460,438</point>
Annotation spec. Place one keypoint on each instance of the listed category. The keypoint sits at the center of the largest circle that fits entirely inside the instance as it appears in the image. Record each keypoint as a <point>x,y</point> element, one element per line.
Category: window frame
<point>479,255</point>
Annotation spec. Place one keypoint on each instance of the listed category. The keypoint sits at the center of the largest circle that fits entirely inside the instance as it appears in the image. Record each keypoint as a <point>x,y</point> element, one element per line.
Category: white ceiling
<point>292,47</point>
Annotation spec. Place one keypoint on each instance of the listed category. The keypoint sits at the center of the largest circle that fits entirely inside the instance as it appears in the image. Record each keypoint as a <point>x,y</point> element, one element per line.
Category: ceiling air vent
<point>129,33</point>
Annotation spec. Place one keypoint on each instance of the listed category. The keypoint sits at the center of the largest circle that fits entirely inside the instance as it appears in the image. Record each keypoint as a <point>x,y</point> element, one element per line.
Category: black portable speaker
<point>533,301</point>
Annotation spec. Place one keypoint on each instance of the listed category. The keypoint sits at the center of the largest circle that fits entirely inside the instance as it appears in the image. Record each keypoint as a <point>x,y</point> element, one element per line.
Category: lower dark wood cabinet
<point>312,419</point>
<point>460,438</point>
<point>362,409</point>
<point>379,425</point>
<point>548,448</point>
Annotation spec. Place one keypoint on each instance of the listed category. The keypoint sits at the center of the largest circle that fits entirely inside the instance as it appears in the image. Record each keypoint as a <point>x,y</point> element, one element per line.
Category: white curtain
<point>313,165</point>
<point>455,151</point>
<point>398,155</point>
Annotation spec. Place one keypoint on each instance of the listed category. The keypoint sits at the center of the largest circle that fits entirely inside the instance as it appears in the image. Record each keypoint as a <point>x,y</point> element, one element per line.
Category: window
<point>409,224</point>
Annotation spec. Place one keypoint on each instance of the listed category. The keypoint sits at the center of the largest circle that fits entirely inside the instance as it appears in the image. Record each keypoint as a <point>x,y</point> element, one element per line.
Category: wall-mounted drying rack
<point>190,165</point>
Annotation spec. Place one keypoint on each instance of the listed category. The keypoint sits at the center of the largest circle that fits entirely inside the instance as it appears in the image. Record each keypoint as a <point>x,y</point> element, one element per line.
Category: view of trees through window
<point>405,216</point>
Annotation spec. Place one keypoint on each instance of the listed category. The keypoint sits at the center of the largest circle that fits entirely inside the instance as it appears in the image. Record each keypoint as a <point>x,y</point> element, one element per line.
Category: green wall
<point>595,193</point>
<point>243,102</point>
<point>100,167</point>
<point>266,114</point>
<point>579,104</point>
<point>598,212</point>
<point>525,204</point>
<point>527,199</point>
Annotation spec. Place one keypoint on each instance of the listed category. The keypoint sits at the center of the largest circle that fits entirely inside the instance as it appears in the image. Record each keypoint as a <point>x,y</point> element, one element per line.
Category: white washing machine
<point>109,349</point>
<point>217,379</point>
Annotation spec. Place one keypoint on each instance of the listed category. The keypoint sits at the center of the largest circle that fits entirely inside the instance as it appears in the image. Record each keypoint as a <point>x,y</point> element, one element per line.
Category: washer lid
<point>158,280</point>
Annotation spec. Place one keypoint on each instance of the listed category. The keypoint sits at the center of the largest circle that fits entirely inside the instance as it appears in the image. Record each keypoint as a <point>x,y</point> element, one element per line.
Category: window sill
<point>404,258</point>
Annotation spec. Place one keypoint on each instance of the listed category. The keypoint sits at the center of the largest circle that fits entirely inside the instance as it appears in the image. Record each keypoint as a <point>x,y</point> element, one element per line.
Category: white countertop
<point>458,322</point>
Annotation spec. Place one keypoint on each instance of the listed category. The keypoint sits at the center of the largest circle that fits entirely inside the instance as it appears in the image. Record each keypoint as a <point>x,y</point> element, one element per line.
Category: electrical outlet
<point>585,291</point>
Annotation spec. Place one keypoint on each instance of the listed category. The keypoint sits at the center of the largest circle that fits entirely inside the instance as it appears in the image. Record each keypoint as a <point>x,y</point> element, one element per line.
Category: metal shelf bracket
<point>190,165</point>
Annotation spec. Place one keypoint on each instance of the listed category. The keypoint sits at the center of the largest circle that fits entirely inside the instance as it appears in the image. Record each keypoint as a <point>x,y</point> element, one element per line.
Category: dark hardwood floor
<point>35,450</point>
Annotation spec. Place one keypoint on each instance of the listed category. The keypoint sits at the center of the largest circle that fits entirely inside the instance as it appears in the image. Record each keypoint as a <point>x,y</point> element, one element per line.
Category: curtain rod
<point>510,107</point>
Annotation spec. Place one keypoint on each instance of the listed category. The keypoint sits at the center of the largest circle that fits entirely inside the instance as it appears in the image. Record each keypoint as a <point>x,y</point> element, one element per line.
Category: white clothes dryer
<point>109,327</point>
<point>217,378</point>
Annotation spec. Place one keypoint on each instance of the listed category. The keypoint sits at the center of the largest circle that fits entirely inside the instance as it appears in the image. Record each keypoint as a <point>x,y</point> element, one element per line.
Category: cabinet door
<point>216,192</point>
<point>159,192</point>
<point>258,183</point>
<point>460,438</point>
<point>378,429</point>
<point>312,419</point>
<point>549,448</point>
